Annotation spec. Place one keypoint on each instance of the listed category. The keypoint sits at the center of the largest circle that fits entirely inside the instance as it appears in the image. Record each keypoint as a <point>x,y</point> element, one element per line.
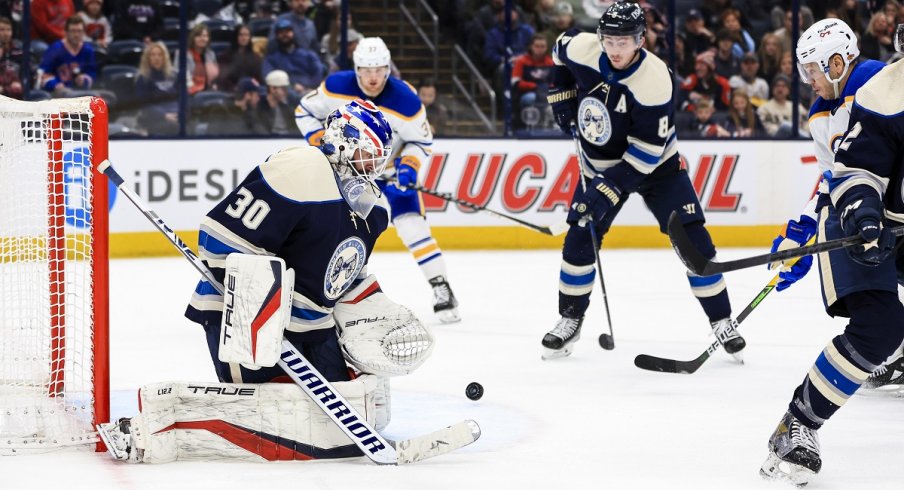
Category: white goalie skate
<point>793,453</point>
<point>559,342</point>
<point>118,439</point>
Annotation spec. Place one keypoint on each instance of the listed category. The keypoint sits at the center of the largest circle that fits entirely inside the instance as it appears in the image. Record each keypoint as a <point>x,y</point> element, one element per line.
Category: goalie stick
<point>662,365</point>
<point>700,265</point>
<point>334,405</point>
<point>555,229</point>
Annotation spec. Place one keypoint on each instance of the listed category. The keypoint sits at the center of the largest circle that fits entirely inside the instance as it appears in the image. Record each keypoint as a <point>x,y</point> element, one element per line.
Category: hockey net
<point>54,382</point>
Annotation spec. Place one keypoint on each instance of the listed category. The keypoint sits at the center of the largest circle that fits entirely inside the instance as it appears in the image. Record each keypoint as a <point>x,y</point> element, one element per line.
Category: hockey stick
<point>607,341</point>
<point>552,230</point>
<point>662,365</point>
<point>314,384</point>
<point>700,265</point>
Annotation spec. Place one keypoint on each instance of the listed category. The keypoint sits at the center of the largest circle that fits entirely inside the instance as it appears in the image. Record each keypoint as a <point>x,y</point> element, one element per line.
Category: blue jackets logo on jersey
<point>344,266</point>
<point>594,122</point>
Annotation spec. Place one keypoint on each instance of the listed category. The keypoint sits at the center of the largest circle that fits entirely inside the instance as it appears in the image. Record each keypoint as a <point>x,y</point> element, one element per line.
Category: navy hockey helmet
<point>622,19</point>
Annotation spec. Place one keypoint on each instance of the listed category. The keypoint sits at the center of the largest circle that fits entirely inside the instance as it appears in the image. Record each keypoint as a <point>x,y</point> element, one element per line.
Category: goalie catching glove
<point>377,335</point>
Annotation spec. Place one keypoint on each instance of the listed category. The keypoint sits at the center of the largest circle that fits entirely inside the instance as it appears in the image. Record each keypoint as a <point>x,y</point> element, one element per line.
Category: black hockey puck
<point>474,391</point>
<point>606,341</point>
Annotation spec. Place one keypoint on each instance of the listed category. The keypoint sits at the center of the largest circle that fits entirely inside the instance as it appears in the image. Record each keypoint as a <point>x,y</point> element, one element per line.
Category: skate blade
<point>557,353</point>
<point>776,469</point>
<point>103,430</point>
<point>886,391</point>
<point>448,316</point>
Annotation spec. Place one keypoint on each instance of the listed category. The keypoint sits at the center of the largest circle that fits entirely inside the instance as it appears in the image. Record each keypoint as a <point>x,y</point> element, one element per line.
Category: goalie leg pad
<point>263,422</point>
<point>379,336</point>
<point>257,305</point>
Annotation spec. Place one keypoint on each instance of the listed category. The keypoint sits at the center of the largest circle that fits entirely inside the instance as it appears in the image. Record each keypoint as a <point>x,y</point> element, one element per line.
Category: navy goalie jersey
<point>623,115</point>
<point>290,207</point>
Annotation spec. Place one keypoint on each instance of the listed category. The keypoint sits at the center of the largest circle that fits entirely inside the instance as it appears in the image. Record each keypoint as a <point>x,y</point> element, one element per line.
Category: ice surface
<point>589,421</point>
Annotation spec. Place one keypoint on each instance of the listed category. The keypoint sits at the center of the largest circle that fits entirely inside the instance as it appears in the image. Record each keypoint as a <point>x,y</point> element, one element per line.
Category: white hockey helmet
<point>823,40</point>
<point>357,125</point>
<point>371,52</point>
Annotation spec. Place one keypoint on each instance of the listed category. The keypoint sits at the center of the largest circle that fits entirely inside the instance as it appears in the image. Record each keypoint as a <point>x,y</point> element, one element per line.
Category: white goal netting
<point>49,378</point>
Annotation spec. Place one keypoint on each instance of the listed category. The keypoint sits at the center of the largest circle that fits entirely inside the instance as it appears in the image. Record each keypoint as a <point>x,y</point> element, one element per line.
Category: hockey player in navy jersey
<point>295,206</point>
<point>619,97</point>
<point>289,249</point>
<point>412,142</point>
<point>861,196</point>
<point>829,60</point>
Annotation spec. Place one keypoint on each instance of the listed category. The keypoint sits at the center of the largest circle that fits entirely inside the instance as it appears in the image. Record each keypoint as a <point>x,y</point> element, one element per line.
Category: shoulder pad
<point>582,48</point>
<point>860,75</point>
<point>651,82</point>
<point>301,174</point>
<point>882,94</point>
<point>400,98</point>
<point>342,84</point>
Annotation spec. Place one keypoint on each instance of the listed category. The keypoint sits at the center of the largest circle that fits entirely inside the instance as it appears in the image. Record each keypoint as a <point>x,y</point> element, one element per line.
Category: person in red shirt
<point>48,19</point>
<point>704,83</point>
<point>530,72</point>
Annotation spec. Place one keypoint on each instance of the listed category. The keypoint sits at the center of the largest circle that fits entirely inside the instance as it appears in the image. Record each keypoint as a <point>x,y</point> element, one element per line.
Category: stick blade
<point>660,365</point>
<point>438,443</point>
<point>685,248</point>
<point>559,228</point>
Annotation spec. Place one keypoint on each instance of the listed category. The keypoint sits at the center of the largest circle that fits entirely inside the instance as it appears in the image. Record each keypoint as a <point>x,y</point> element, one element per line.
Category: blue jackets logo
<point>344,266</point>
<point>594,122</point>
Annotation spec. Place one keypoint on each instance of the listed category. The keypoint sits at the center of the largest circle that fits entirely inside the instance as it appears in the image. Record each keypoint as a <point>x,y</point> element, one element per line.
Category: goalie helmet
<point>820,43</point>
<point>359,125</point>
<point>622,19</point>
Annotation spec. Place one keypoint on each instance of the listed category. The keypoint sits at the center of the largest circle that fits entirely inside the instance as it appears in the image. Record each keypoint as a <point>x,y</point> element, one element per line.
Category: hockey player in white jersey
<point>412,143</point>
<point>288,249</point>
<point>858,126</point>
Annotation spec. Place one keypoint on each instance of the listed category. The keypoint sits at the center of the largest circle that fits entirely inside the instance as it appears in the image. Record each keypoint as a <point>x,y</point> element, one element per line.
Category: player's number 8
<point>252,212</point>
<point>663,126</point>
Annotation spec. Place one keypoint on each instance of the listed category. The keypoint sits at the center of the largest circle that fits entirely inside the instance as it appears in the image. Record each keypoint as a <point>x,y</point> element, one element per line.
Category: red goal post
<point>54,316</point>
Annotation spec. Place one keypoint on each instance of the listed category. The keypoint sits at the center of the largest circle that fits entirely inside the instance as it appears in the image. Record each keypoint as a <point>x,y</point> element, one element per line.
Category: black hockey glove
<point>601,196</point>
<point>864,217</point>
<point>564,104</point>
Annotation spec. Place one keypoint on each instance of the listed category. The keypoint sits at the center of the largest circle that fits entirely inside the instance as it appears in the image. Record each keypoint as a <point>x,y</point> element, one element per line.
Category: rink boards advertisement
<point>747,189</point>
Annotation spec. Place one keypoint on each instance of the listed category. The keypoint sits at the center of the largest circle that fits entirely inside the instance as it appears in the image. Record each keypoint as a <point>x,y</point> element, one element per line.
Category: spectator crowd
<point>248,62</point>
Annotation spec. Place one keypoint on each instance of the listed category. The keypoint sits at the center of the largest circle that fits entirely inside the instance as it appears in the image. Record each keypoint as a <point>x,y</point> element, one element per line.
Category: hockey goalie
<point>289,250</point>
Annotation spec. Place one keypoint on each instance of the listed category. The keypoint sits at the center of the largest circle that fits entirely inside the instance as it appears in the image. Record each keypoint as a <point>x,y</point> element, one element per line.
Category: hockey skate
<point>726,331</point>
<point>118,439</point>
<point>793,453</point>
<point>887,380</point>
<point>559,342</point>
<point>444,303</point>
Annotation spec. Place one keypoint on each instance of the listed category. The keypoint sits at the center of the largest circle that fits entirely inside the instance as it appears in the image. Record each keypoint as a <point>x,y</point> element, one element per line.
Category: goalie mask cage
<point>54,359</point>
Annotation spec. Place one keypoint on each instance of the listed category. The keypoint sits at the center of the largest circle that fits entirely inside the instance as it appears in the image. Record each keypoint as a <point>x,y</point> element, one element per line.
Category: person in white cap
<point>276,109</point>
